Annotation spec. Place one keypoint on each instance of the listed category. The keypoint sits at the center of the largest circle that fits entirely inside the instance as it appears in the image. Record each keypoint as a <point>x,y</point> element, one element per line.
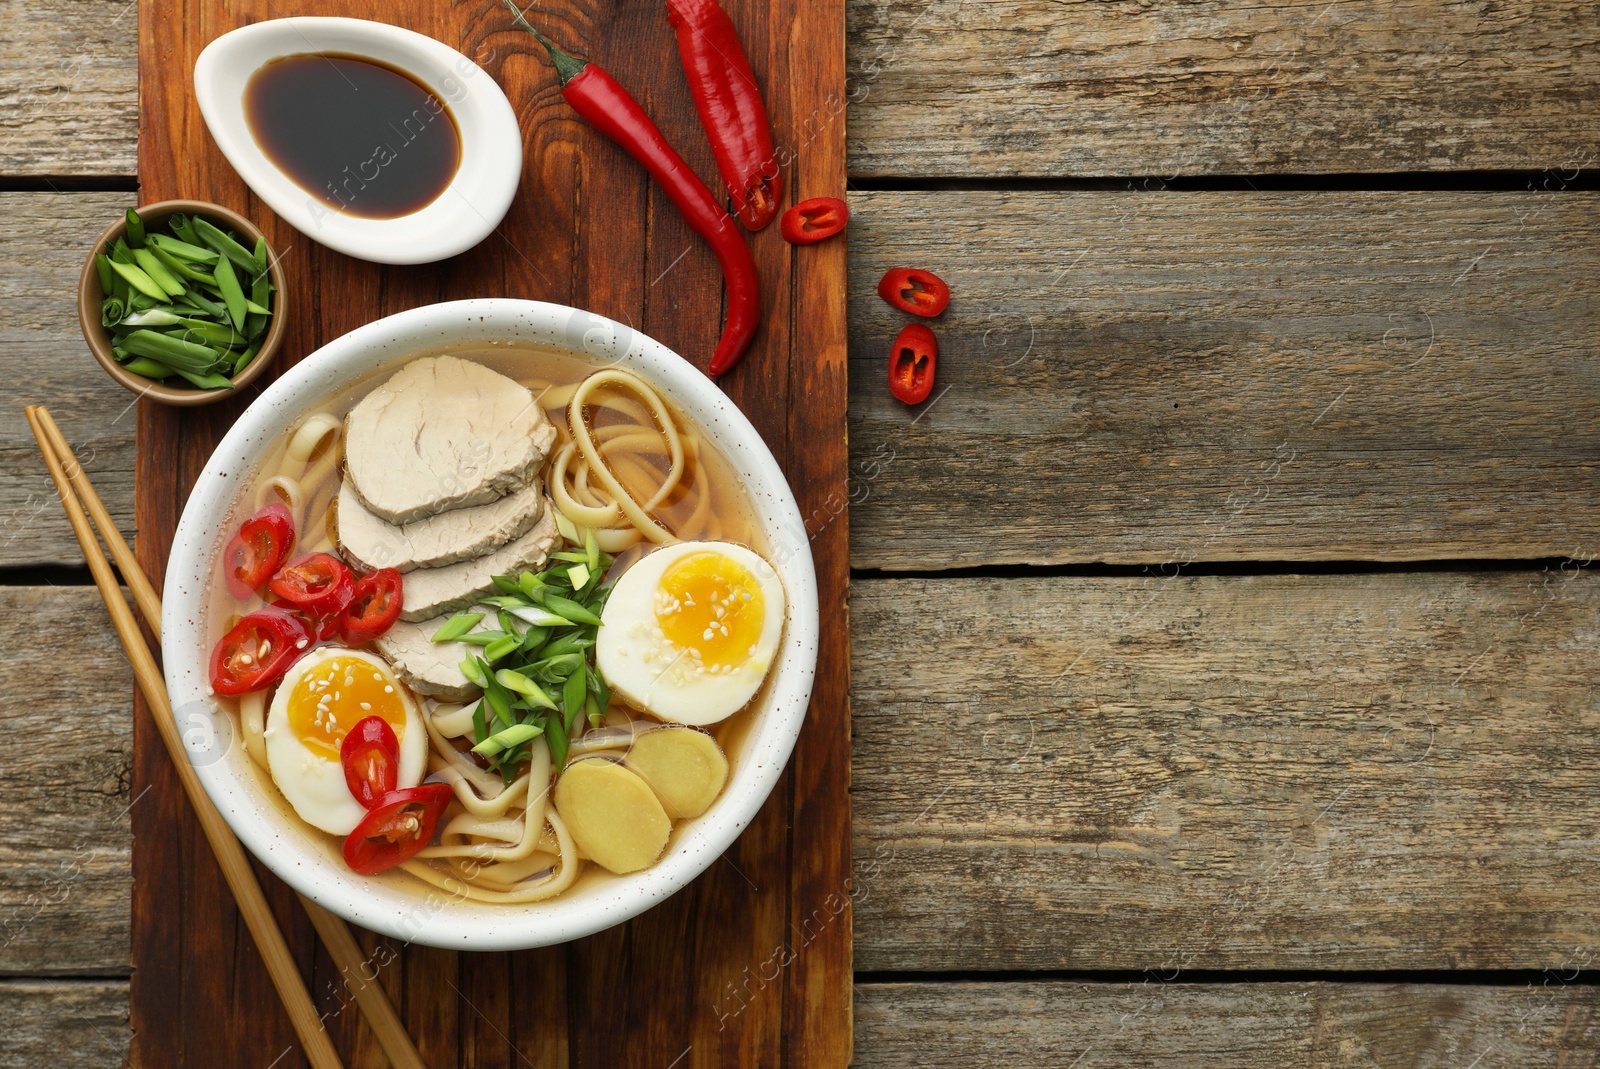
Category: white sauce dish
<point>463,214</point>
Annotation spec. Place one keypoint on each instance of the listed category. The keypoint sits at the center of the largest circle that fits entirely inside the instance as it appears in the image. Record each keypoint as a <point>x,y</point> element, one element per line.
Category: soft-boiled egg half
<point>320,699</point>
<point>689,632</point>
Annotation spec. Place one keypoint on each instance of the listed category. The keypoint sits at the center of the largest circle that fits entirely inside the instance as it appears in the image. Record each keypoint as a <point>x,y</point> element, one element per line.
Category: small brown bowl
<point>90,296</point>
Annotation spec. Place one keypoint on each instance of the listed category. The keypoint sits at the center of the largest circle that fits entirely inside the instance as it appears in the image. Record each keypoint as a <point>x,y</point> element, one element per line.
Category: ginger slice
<point>612,815</point>
<point>685,767</point>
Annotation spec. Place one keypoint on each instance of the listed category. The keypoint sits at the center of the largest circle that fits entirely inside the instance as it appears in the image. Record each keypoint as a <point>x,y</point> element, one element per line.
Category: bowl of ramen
<point>490,625</point>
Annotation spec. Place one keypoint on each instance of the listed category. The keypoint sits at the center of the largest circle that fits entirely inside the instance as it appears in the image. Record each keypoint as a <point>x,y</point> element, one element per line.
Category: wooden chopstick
<point>342,947</point>
<point>144,595</point>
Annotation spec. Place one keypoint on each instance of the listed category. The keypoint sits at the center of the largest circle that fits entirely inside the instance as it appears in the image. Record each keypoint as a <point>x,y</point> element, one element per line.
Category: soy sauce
<point>360,136</point>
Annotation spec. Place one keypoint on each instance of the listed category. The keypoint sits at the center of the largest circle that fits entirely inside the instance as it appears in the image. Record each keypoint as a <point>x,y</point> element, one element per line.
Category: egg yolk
<point>332,697</point>
<point>711,605</point>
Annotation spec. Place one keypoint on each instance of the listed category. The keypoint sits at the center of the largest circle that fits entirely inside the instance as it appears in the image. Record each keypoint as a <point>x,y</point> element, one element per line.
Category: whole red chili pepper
<point>910,289</point>
<point>730,107</point>
<point>812,220</point>
<point>912,362</point>
<point>609,108</point>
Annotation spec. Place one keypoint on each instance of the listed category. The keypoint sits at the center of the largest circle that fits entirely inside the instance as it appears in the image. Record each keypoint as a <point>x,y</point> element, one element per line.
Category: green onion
<point>515,735</point>
<point>136,278</point>
<point>135,229</point>
<point>232,295</point>
<point>112,312</point>
<point>538,617</point>
<point>180,225</point>
<point>181,267</point>
<point>516,681</point>
<point>579,574</point>
<point>158,272</point>
<point>148,368</point>
<point>500,647</point>
<point>182,249</point>
<point>529,584</point>
<point>102,266</point>
<point>207,380</point>
<point>244,359</point>
<point>259,256</point>
<point>230,249</point>
<point>574,694</point>
<point>571,610</point>
<point>457,625</point>
<point>472,670</point>
<point>591,548</point>
<point>480,729</point>
<point>557,738</point>
<point>481,638</point>
<point>179,355</point>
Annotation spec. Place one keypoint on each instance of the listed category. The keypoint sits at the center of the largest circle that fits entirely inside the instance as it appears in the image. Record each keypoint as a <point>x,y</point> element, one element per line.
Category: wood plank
<point>1150,1023</point>
<point>1320,771</point>
<point>69,90</point>
<point>64,1024</point>
<point>943,88</point>
<point>64,820</point>
<point>43,359</point>
<point>939,88</point>
<point>653,985</point>
<point>1166,378</point>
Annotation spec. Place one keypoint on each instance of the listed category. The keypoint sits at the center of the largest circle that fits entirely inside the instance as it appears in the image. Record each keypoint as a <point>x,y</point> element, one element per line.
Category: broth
<point>552,377</point>
<point>364,138</point>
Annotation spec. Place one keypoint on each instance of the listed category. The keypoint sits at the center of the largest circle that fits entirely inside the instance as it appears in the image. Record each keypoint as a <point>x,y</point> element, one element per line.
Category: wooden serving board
<point>751,964</point>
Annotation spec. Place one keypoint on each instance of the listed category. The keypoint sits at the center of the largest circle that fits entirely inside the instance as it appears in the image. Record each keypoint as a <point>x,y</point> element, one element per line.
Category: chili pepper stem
<point>567,65</point>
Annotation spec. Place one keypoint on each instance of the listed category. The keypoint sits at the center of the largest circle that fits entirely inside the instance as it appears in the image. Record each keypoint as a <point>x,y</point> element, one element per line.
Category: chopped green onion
<point>135,229</point>
<point>574,694</point>
<point>230,249</point>
<point>136,278</point>
<point>500,647</point>
<point>516,681</point>
<point>232,295</point>
<point>259,256</point>
<point>457,625</point>
<point>591,549</point>
<point>245,358</point>
<point>102,266</point>
<point>538,617</point>
<point>568,529</point>
<point>579,574</point>
<point>181,225</point>
<point>207,380</point>
<point>513,736</point>
<point>112,312</point>
<point>150,369</point>
<point>473,670</point>
<point>179,355</point>
<point>570,609</point>
<point>182,249</point>
<point>181,267</point>
<point>158,272</point>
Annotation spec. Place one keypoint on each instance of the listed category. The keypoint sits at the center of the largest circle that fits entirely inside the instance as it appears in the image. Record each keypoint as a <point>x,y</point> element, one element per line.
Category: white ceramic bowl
<point>306,859</point>
<point>491,141</point>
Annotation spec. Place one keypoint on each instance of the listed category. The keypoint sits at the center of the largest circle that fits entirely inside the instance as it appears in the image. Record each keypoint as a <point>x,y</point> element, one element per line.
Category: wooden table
<point>1223,629</point>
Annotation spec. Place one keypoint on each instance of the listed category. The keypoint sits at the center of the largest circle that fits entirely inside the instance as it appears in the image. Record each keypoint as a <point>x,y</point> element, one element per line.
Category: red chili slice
<point>373,608</point>
<point>812,220</point>
<point>371,757</point>
<point>263,541</point>
<point>315,583</point>
<point>322,628</point>
<point>400,824</point>
<point>910,289</point>
<point>912,362</point>
<point>258,651</point>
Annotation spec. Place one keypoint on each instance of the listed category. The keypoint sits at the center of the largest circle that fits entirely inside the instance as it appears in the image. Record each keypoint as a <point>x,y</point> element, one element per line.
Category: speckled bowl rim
<point>285,847</point>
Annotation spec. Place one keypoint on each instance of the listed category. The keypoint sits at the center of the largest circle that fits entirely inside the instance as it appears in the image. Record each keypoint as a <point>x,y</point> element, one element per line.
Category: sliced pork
<point>443,433</point>
<point>434,541</point>
<point>432,591</point>
<point>429,667</point>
